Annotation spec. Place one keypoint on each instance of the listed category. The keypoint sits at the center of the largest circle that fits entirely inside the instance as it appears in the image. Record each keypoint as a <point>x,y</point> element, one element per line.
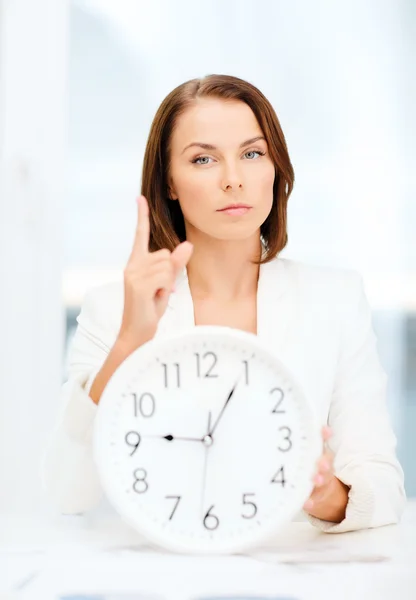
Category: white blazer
<point>318,323</point>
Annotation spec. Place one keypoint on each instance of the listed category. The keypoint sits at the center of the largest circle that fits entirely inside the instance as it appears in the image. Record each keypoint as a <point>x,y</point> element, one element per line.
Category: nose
<point>231,179</point>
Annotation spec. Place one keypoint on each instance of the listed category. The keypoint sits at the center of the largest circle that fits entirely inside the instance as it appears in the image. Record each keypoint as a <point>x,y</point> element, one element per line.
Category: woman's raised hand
<point>149,278</point>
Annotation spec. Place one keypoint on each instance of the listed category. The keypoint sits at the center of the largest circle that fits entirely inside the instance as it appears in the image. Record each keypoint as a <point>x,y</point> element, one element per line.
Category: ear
<point>172,194</point>
<point>171,191</point>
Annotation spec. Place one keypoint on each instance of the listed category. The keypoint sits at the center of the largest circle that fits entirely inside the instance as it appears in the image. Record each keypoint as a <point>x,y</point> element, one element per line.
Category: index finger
<point>142,235</point>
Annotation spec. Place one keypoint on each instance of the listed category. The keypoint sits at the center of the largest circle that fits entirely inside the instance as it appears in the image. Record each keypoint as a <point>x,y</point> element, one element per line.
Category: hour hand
<point>172,438</point>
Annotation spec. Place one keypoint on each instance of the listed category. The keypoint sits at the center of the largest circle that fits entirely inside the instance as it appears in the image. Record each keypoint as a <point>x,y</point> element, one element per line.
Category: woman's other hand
<point>329,498</point>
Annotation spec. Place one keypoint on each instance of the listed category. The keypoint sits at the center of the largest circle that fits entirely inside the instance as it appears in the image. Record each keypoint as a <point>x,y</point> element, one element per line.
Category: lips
<point>235,210</point>
<point>234,206</point>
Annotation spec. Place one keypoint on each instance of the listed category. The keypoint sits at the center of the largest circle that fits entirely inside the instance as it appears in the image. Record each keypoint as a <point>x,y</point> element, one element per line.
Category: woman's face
<point>219,158</point>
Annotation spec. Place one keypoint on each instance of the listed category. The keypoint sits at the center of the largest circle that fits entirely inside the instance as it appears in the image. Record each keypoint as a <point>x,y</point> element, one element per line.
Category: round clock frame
<point>204,442</point>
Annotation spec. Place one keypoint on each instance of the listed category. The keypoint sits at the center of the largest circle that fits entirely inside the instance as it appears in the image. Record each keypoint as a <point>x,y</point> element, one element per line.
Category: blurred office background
<point>341,78</point>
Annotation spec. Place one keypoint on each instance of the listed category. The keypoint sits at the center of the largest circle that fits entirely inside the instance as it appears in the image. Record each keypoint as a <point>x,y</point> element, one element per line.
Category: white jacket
<point>318,322</point>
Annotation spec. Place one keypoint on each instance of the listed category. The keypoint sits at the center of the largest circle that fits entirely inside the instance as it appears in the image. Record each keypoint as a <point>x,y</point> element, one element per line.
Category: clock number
<point>140,484</point>
<point>165,375</point>
<point>146,405</point>
<point>133,439</point>
<point>246,370</point>
<point>211,522</point>
<point>287,439</point>
<point>249,503</point>
<point>281,395</point>
<point>208,372</point>
<point>280,477</point>
<point>177,498</point>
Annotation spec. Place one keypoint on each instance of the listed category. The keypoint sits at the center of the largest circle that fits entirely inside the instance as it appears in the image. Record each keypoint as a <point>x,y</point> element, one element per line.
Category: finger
<point>180,256</point>
<point>324,470</point>
<point>325,463</point>
<point>326,433</point>
<point>322,479</point>
<point>160,256</point>
<point>161,280</point>
<point>163,263</point>
<point>142,235</point>
<point>162,270</point>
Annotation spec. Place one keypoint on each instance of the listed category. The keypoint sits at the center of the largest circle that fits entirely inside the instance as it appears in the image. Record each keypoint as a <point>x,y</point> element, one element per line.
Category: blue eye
<point>195,160</point>
<point>255,152</point>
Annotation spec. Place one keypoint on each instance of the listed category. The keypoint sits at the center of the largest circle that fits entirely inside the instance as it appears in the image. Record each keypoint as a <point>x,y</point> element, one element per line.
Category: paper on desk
<point>324,550</point>
<point>319,556</point>
<point>307,545</point>
<point>313,554</point>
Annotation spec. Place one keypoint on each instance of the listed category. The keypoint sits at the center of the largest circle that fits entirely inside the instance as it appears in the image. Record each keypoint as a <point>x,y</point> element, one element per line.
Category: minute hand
<point>230,395</point>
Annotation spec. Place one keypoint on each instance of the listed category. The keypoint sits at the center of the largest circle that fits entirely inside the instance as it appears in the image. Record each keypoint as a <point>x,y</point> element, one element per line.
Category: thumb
<point>180,256</point>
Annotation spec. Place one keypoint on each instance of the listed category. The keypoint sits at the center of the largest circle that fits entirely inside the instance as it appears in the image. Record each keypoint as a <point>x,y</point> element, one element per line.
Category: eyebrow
<point>211,147</point>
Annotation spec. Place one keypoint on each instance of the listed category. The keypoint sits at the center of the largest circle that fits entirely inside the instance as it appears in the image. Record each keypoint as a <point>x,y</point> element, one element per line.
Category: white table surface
<point>40,557</point>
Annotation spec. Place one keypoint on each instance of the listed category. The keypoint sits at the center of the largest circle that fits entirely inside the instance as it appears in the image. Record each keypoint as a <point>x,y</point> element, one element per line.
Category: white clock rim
<point>126,371</point>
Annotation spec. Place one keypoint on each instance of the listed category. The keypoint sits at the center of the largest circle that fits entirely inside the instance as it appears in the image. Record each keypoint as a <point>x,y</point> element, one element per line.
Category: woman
<point>212,221</point>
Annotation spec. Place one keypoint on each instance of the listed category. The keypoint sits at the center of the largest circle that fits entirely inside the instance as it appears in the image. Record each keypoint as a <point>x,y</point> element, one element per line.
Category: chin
<point>234,234</point>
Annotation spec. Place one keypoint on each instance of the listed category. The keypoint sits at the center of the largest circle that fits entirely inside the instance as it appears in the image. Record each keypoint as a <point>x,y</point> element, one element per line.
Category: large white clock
<point>204,442</point>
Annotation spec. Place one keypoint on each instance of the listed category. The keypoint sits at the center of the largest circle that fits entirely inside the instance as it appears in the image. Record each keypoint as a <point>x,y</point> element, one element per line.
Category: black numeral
<point>286,438</point>
<point>177,498</point>
<point>166,377</point>
<point>253,510</point>
<point>280,395</point>
<point>211,522</point>
<point>211,359</point>
<point>133,439</point>
<point>140,484</point>
<point>146,405</point>
<point>280,477</point>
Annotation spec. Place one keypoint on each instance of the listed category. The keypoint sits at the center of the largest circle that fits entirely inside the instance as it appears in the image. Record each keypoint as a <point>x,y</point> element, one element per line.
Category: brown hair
<point>167,227</point>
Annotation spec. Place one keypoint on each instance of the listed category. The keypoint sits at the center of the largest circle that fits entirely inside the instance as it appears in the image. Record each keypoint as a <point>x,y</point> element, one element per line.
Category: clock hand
<point>171,438</point>
<point>230,395</point>
<point>204,472</point>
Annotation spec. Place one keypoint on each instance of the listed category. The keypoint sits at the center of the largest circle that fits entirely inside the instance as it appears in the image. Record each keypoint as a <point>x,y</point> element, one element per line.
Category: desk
<point>82,553</point>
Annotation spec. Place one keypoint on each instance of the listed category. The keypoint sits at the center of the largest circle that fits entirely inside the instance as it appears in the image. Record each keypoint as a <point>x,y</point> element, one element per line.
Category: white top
<point>317,321</point>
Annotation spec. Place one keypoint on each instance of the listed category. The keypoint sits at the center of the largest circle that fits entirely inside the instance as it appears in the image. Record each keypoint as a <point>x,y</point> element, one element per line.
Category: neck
<point>223,269</point>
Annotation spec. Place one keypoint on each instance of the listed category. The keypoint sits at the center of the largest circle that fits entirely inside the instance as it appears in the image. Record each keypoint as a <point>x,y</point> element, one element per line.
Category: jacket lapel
<point>276,307</point>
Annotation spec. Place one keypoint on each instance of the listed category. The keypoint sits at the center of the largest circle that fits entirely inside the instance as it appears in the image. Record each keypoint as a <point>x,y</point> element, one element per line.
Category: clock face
<point>204,443</point>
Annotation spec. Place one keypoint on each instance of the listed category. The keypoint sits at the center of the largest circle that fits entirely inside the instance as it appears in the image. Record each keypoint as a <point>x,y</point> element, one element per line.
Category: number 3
<point>286,439</point>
